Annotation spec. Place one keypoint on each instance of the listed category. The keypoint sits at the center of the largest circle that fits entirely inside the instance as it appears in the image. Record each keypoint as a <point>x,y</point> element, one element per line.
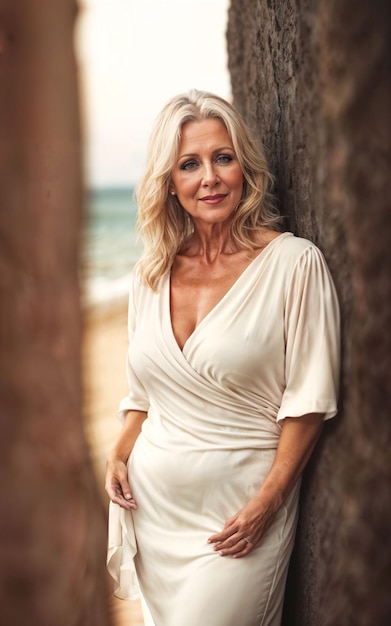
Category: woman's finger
<point>118,497</point>
<point>243,552</point>
<point>225,534</point>
<point>116,494</point>
<point>124,503</point>
<point>125,488</point>
<point>235,548</point>
<point>225,540</point>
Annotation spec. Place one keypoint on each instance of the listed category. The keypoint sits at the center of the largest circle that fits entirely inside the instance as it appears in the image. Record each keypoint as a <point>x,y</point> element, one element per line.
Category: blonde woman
<point>233,366</point>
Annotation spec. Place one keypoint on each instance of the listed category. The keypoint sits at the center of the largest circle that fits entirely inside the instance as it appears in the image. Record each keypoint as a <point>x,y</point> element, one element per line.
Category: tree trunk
<point>52,524</point>
<point>313,78</point>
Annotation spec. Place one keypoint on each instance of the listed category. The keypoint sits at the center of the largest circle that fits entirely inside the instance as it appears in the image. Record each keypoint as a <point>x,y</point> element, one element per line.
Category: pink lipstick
<point>216,199</point>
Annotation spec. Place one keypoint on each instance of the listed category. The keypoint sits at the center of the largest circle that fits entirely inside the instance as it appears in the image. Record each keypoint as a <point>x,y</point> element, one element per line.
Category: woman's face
<point>207,177</point>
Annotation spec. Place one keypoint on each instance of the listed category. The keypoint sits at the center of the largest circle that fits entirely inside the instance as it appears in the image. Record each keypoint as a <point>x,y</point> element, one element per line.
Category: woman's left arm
<point>241,532</point>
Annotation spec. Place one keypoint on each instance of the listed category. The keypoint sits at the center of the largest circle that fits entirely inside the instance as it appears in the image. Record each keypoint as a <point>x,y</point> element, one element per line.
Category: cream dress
<point>268,350</point>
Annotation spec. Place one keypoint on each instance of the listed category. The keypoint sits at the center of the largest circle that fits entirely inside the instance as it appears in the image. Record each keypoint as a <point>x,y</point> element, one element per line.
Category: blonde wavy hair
<point>163,225</point>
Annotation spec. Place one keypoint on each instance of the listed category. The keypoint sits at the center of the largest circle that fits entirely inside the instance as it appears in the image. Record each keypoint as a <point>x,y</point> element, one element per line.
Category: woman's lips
<point>216,199</point>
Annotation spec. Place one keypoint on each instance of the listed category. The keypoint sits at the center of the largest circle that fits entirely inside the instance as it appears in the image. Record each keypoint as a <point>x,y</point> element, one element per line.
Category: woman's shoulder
<point>139,287</point>
<point>291,243</point>
<point>293,252</point>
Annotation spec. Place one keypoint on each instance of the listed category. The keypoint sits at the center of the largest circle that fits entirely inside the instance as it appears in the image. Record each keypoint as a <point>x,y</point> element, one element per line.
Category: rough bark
<point>52,535</point>
<point>312,77</point>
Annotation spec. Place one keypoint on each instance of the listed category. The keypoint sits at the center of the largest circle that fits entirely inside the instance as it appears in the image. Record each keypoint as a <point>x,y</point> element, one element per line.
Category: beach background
<point>109,246</point>
<point>109,251</point>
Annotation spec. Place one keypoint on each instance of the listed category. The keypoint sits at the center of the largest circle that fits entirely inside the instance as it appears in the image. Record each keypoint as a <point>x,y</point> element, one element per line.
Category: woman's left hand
<point>243,531</point>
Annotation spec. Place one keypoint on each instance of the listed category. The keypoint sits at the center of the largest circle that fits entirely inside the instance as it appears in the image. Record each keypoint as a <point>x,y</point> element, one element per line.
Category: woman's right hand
<point>117,485</point>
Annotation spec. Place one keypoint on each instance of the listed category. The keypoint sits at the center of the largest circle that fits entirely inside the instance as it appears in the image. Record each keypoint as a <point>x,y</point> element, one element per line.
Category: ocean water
<point>110,248</point>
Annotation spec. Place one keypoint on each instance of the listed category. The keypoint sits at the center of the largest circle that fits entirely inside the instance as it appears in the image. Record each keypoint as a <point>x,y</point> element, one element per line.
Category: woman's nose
<point>209,174</point>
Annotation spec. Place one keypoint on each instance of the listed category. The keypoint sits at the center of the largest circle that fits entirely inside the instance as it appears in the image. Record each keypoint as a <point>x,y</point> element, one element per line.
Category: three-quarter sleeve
<point>312,339</point>
<point>137,398</point>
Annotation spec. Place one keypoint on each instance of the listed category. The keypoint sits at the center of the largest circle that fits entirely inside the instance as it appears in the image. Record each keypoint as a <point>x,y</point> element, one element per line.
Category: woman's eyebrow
<point>215,151</point>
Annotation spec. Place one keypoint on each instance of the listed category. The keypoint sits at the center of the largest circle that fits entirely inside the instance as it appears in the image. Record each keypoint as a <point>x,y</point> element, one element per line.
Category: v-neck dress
<point>268,350</point>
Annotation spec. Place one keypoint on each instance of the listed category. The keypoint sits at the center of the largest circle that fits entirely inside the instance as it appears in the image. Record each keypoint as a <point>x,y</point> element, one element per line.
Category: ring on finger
<point>247,540</point>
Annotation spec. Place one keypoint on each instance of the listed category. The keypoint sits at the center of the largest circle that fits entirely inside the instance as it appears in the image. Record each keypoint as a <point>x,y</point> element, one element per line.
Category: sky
<point>133,56</point>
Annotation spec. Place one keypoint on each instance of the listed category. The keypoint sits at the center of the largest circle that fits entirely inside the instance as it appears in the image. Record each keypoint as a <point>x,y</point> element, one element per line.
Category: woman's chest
<point>193,295</point>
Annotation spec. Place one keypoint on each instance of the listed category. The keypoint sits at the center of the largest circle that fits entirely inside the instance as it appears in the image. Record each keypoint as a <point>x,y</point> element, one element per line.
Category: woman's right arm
<point>117,485</point>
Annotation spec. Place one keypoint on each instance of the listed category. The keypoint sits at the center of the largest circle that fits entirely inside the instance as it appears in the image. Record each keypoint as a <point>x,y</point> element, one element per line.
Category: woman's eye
<point>224,158</point>
<point>188,165</point>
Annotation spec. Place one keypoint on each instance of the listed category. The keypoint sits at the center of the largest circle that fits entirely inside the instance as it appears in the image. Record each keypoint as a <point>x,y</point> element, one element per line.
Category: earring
<point>173,193</point>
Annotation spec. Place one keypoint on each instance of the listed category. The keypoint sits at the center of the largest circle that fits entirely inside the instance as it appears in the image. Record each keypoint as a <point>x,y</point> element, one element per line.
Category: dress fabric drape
<point>267,351</point>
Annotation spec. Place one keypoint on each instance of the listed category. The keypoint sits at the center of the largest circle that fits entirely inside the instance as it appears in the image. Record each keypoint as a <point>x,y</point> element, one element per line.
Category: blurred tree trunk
<point>313,78</point>
<point>52,526</point>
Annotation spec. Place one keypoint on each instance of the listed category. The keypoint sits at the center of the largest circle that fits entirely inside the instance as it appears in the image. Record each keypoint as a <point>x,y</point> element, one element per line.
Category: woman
<point>232,365</point>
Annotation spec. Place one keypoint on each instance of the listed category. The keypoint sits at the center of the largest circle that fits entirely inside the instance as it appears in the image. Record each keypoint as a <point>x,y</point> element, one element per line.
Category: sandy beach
<point>104,356</point>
